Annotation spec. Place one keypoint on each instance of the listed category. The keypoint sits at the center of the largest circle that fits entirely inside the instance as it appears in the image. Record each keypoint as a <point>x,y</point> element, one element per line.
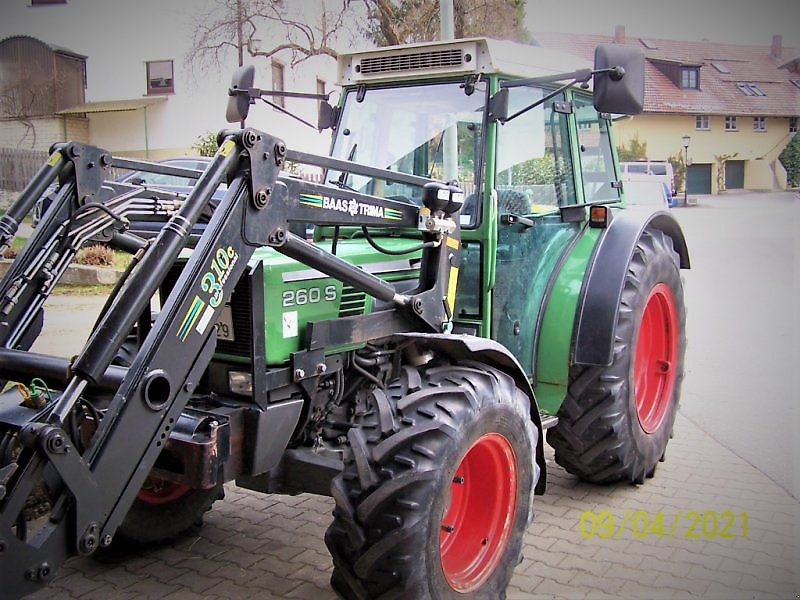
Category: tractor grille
<point>396,63</point>
<point>352,302</point>
<point>242,323</point>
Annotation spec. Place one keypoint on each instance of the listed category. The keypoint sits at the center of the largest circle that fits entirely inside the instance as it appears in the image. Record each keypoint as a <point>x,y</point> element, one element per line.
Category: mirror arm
<point>580,76</point>
<point>254,93</point>
<point>542,100</point>
<point>286,112</point>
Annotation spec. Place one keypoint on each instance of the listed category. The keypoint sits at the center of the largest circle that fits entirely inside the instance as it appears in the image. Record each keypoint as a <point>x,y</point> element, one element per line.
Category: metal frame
<point>95,489</point>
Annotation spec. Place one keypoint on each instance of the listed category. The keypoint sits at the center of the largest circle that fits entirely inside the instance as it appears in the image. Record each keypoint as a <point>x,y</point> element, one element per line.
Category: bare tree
<point>266,28</point>
<point>411,21</point>
<point>23,97</point>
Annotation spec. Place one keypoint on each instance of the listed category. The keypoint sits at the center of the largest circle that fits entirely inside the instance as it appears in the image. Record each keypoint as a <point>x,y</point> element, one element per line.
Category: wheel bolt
<point>458,479</point>
<point>448,528</point>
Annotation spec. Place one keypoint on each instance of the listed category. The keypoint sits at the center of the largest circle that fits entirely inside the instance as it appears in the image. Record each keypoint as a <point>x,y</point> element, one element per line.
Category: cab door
<point>534,175</point>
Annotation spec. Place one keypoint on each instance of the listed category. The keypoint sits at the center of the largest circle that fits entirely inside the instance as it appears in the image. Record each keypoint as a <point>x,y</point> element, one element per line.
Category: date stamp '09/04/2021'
<point>689,524</point>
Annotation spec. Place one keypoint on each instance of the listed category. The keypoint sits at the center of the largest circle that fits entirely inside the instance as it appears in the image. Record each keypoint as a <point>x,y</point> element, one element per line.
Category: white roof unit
<point>474,55</point>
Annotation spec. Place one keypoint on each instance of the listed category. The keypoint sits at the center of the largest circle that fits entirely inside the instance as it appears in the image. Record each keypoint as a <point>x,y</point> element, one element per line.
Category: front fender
<point>596,319</point>
<point>494,354</point>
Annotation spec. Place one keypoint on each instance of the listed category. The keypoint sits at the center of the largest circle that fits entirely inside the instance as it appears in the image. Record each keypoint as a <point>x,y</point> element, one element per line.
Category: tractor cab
<point>508,123</point>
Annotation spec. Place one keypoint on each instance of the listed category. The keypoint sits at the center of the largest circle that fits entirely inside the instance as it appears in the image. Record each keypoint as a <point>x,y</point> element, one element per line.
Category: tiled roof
<point>718,93</point>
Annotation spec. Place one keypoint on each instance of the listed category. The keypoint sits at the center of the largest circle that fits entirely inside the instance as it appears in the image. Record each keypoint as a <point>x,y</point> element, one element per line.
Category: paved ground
<point>744,327</point>
<point>256,546</point>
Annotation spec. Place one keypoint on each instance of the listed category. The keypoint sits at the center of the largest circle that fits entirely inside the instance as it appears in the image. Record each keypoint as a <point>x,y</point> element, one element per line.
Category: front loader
<point>474,279</point>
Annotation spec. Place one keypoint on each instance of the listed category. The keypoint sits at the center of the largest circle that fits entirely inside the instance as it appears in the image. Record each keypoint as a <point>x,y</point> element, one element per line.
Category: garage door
<point>734,174</point>
<point>698,180</point>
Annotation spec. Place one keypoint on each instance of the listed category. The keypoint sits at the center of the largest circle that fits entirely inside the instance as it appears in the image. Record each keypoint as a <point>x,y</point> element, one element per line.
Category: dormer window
<point>690,78</point>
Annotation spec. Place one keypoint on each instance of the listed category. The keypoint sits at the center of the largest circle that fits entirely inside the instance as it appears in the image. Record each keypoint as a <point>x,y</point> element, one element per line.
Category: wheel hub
<point>655,358</point>
<point>161,491</point>
<point>478,521</point>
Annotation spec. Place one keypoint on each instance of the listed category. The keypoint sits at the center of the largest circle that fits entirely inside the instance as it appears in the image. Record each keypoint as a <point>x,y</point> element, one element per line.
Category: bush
<point>98,256</point>
<point>635,150</point>
<point>206,144</point>
<point>790,159</point>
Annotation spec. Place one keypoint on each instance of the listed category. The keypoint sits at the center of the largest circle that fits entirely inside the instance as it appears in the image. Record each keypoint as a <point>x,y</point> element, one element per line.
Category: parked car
<point>172,183</point>
<point>650,192</point>
<point>652,168</point>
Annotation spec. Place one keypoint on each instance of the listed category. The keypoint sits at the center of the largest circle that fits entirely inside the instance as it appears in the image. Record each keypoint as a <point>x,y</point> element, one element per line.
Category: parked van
<point>645,168</point>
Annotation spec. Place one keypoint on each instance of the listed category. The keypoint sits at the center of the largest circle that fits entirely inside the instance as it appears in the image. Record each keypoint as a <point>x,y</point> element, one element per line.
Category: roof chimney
<point>619,34</point>
<point>777,46</point>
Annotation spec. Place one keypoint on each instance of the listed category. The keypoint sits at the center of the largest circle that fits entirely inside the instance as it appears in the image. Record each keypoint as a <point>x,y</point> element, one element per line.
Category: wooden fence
<point>18,166</point>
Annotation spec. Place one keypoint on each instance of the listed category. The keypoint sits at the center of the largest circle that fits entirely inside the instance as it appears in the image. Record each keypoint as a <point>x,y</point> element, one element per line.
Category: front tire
<point>164,510</point>
<point>437,486</point>
<point>616,421</point>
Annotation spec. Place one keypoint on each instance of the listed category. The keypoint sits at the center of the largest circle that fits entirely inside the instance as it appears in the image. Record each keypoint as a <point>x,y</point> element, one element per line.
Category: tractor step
<point>548,421</point>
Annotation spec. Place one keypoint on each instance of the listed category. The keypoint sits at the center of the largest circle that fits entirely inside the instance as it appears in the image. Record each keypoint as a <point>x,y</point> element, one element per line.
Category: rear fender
<point>596,319</point>
<point>494,354</point>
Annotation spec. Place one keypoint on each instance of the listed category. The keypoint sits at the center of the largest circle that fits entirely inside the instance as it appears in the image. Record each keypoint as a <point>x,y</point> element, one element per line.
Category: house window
<point>46,2</point>
<point>159,77</point>
<point>792,124</point>
<point>690,78</point>
<point>759,123</point>
<point>701,122</point>
<point>730,124</point>
<point>277,83</point>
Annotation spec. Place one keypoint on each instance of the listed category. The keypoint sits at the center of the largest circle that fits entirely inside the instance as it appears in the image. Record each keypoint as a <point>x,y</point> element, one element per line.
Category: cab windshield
<point>428,130</point>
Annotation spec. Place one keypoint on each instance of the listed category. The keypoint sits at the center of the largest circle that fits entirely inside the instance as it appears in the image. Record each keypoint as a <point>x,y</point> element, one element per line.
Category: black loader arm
<point>91,479</point>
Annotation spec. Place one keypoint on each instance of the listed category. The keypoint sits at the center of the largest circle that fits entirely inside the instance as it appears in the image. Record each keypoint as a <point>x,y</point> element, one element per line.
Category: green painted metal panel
<point>555,339</point>
<point>294,295</point>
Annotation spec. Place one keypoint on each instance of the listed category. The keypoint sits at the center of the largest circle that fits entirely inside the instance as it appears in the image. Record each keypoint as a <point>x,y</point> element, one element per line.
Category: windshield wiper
<point>341,181</point>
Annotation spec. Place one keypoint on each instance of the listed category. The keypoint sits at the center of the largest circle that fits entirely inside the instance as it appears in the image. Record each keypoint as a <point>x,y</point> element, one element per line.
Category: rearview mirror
<point>498,106</point>
<point>326,117</point>
<point>239,92</point>
<point>619,87</point>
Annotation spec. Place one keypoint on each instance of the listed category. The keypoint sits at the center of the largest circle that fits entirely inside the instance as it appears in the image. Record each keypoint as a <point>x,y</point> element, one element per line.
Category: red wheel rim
<point>655,358</point>
<point>478,521</point>
<point>161,491</point>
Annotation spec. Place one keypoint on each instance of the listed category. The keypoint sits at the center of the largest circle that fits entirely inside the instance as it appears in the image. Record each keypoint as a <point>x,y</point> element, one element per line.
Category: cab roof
<point>454,57</point>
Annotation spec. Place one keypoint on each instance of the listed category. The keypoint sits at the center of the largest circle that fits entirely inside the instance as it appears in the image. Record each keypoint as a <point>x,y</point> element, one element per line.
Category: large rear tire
<point>437,487</point>
<point>616,421</point>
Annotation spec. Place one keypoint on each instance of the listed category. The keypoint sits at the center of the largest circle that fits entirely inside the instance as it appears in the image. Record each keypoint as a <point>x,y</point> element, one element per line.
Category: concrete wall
<point>15,134</point>
<point>759,150</point>
<point>120,36</point>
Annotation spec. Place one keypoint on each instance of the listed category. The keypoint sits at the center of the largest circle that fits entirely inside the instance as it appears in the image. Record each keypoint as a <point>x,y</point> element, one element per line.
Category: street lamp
<point>686,139</point>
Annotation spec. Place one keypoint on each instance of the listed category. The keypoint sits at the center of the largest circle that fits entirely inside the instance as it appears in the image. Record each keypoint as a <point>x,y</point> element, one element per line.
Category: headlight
<point>240,382</point>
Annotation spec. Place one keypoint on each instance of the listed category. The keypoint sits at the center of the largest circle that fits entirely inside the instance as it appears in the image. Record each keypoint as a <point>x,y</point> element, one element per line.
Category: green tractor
<point>474,279</point>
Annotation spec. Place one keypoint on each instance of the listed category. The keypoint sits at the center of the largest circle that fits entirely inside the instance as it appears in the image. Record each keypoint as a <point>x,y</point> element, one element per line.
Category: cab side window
<point>533,168</point>
<point>596,159</point>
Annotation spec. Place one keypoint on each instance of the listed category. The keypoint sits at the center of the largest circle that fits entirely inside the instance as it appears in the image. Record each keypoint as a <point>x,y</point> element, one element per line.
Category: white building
<point>141,98</point>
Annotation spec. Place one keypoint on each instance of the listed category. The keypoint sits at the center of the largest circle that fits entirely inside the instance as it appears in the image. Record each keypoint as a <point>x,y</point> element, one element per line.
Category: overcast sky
<point>737,21</point>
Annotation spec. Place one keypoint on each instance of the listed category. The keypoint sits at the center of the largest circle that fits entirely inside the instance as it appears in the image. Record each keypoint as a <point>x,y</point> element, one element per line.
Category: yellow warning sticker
<point>453,243</point>
<point>451,288</point>
<point>54,158</point>
<point>226,148</point>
